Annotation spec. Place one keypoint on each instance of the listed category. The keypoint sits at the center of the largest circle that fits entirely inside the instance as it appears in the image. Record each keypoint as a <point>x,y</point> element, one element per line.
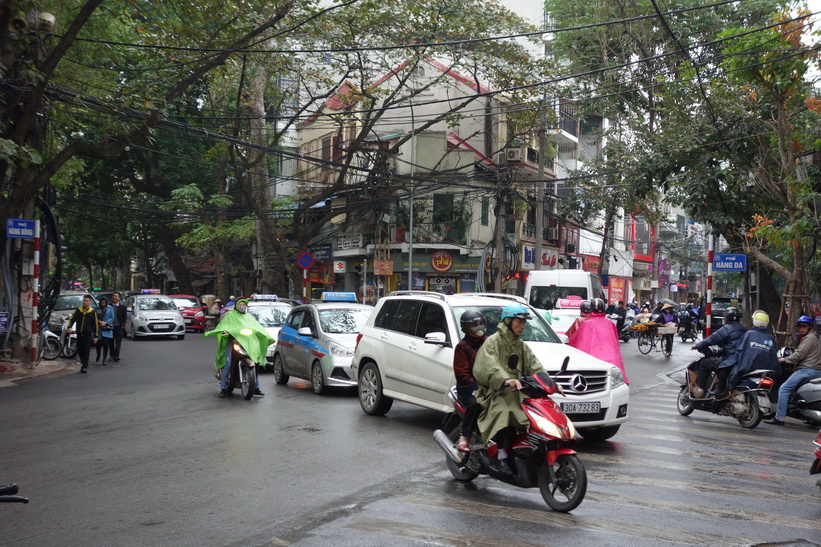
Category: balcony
<point>526,159</point>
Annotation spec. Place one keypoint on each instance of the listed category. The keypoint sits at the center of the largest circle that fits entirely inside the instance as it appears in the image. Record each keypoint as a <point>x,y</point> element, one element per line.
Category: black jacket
<point>119,315</point>
<point>87,321</point>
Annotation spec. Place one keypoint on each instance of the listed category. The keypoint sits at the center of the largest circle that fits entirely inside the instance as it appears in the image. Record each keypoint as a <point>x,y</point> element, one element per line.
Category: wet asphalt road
<point>144,453</point>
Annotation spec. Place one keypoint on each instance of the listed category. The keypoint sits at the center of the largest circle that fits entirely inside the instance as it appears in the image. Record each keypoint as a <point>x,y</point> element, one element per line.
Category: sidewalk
<point>13,375</point>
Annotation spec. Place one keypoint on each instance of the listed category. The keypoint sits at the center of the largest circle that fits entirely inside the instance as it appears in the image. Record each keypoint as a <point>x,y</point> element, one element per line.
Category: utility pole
<point>501,224</point>
<point>542,154</point>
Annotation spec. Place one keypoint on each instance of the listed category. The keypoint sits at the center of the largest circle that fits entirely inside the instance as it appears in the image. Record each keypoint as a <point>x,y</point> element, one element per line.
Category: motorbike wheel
<point>249,383</point>
<point>70,349</point>
<point>317,379</point>
<point>51,348</point>
<point>460,473</point>
<point>371,398</point>
<point>753,416</point>
<point>571,483</point>
<point>279,371</point>
<point>683,403</point>
<point>645,343</point>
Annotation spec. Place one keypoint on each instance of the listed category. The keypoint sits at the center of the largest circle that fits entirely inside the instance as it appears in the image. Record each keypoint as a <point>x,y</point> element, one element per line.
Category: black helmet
<point>585,306</point>
<point>473,323</point>
<point>597,305</point>
<point>731,315</point>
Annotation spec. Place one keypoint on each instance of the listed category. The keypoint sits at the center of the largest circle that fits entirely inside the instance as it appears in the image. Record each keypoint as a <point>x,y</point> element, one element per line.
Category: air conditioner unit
<point>553,233</point>
<point>513,154</point>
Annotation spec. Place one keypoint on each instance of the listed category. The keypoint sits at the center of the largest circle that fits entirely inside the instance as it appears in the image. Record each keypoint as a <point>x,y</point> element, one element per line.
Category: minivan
<point>545,287</point>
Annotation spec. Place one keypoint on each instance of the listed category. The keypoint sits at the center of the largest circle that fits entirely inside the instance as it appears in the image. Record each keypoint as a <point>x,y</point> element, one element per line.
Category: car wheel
<point>371,398</point>
<point>599,433</point>
<point>317,378</point>
<point>279,371</point>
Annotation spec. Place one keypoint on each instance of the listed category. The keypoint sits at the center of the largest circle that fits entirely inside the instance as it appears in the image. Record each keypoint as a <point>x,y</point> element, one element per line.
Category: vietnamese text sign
<point>20,228</point>
<point>730,262</point>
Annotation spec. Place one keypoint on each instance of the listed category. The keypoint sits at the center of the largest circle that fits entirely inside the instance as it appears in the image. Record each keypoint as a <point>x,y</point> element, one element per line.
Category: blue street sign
<point>4,321</point>
<point>305,260</point>
<point>730,262</point>
<point>20,228</point>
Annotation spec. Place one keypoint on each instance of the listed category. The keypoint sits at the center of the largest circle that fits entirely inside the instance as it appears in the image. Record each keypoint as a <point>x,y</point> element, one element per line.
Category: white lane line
<point>435,536</point>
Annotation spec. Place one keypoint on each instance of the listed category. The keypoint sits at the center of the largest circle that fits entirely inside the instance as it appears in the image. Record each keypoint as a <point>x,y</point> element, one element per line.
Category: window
<point>431,319</point>
<point>326,149</point>
<point>342,321</point>
<point>386,315</point>
<point>405,319</point>
<point>485,211</point>
<point>295,320</point>
<point>442,208</point>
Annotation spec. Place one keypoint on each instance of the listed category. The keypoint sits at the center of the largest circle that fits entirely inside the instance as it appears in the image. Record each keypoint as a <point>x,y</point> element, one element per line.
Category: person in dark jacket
<point>806,358</point>
<point>88,330</point>
<point>474,325</point>
<point>727,338</point>
<point>119,323</point>
<point>756,349</point>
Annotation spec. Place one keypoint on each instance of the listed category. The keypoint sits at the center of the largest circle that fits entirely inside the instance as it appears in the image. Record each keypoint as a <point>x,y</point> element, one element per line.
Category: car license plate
<point>189,321</point>
<point>162,327</point>
<point>581,408</point>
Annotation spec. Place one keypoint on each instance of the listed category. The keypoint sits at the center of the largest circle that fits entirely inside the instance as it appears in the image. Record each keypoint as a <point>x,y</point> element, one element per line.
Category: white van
<point>545,287</point>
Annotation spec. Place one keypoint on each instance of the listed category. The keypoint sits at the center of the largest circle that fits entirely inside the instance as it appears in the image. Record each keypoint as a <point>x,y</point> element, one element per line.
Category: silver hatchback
<point>152,315</point>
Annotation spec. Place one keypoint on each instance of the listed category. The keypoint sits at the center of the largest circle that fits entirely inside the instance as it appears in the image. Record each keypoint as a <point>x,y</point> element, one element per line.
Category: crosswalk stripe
<point>607,526</point>
<point>679,466</point>
<point>722,512</point>
<point>718,425</point>
<point>725,458</point>
<point>596,475</point>
<point>436,536</point>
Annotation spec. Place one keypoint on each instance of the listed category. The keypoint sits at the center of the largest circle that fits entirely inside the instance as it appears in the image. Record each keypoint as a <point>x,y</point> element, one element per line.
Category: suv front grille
<point>582,381</point>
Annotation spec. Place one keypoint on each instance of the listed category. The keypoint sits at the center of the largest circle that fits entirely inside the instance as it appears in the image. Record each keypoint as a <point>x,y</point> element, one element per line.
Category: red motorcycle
<point>816,466</point>
<point>540,457</point>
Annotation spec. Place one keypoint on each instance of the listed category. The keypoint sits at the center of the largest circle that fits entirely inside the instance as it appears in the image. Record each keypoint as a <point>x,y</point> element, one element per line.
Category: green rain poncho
<point>254,343</point>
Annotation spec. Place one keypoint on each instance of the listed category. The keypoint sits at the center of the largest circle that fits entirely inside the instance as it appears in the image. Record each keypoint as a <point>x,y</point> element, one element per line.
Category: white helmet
<point>760,318</point>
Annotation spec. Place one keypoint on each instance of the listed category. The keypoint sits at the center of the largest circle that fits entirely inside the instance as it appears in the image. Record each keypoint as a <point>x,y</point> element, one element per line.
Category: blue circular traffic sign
<point>305,260</point>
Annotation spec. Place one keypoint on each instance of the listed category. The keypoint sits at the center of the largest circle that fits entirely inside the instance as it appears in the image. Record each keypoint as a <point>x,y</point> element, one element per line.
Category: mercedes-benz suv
<point>405,352</point>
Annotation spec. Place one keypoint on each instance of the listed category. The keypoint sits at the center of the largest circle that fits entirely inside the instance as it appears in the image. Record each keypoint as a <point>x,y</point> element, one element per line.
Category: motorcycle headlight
<point>238,348</point>
<point>338,350</point>
<point>616,378</point>
<point>551,429</point>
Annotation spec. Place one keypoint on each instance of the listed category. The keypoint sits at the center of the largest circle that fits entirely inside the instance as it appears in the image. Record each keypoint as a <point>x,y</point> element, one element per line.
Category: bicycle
<point>651,335</point>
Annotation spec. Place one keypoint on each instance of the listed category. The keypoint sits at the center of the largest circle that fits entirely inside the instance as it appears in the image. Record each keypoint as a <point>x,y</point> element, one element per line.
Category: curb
<point>44,369</point>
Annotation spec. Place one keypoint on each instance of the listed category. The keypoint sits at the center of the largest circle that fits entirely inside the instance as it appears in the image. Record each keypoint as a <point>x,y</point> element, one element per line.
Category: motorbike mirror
<point>513,361</point>
<point>565,363</point>
<point>246,332</point>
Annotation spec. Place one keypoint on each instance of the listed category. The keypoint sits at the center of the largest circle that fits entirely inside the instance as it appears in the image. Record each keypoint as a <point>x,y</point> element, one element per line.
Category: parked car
<point>405,352</point>
<point>271,313</point>
<point>192,310</point>
<point>66,303</point>
<point>719,306</point>
<point>151,315</point>
<point>317,342</point>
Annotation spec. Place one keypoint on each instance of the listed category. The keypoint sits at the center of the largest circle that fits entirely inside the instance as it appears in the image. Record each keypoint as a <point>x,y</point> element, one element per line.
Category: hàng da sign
<point>723,262</point>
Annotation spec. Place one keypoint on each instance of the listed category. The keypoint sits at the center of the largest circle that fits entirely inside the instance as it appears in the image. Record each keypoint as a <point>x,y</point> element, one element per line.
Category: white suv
<point>405,352</point>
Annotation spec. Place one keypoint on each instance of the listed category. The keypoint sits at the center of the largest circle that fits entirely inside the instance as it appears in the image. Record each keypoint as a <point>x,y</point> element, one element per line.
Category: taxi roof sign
<point>267,297</point>
<point>572,301</point>
<point>150,291</point>
<point>339,296</point>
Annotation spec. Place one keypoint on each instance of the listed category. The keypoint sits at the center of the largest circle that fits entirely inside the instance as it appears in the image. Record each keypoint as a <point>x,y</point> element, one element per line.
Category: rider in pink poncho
<point>597,336</point>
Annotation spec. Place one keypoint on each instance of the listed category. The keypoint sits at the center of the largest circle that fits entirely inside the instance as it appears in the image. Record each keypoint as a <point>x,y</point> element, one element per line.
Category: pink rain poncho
<point>598,337</point>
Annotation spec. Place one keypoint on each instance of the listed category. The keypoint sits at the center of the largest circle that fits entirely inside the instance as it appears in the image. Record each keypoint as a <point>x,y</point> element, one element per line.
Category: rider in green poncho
<point>254,343</point>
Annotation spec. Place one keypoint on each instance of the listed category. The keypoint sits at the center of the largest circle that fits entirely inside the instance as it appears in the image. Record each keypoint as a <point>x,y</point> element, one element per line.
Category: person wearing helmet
<point>726,338</point>
<point>756,349</point>
<point>807,361</point>
<point>584,314</point>
<point>598,337</point>
<point>500,362</point>
<point>232,322</point>
<point>474,325</point>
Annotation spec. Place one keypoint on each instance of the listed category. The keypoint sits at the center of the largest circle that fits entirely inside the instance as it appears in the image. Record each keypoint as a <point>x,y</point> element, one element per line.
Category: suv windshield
<point>536,330</point>
<point>270,316</point>
<point>155,304</point>
<point>342,321</point>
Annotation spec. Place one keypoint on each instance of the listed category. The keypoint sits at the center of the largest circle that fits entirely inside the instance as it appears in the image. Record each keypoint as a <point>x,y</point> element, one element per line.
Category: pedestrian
<point>88,330</point>
<point>215,307</point>
<point>105,317</point>
<point>120,313</point>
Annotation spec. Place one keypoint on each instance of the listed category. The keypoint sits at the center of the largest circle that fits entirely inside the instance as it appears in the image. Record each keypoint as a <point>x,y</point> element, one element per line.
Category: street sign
<point>20,228</point>
<point>305,260</point>
<point>4,321</point>
<point>730,262</point>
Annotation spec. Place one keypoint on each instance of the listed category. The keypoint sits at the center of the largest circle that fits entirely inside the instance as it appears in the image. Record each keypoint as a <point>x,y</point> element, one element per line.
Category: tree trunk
<point>175,261</point>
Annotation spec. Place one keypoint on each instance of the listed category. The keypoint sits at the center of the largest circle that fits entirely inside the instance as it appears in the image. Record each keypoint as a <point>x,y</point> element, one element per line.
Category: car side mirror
<point>437,338</point>
<point>305,331</point>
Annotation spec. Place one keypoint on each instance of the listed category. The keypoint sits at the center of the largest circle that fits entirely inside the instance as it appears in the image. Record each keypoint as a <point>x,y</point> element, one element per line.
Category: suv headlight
<point>616,377</point>
<point>338,350</point>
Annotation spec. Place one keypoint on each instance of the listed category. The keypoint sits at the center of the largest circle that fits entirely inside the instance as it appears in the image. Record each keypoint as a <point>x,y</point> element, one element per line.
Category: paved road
<point>145,453</point>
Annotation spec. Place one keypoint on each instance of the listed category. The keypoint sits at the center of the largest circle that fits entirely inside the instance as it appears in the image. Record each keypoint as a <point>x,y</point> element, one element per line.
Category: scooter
<point>805,401</point>
<point>540,457</point>
<point>816,466</point>
<point>687,329</point>
<point>243,372</point>
<point>748,402</point>
<point>50,347</point>
<point>68,342</point>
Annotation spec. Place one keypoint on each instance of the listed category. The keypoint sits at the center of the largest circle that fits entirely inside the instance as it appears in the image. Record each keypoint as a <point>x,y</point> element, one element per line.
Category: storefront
<point>440,271</point>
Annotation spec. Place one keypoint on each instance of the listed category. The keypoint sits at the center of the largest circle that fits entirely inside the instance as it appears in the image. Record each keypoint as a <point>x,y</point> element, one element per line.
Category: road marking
<point>710,488</point>
<point>606,526</point>
<point>706,470</point>
<point>435,536</point>
<point>709,511</point>
<point>719,426</point>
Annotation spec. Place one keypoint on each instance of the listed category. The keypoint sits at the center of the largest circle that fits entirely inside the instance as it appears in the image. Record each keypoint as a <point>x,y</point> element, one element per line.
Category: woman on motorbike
<point>474,325</point>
